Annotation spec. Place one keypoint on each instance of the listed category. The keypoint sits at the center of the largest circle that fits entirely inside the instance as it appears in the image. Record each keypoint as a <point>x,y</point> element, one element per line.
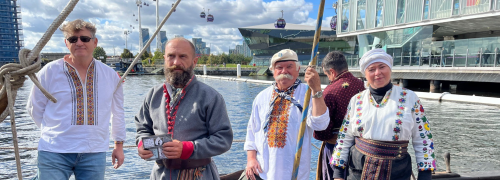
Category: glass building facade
<point>163,40</point>
<point>11,39</point>
<point>358,15</point>
<point>145,39</point>
<point>265,42</point>
<point>432,33</point>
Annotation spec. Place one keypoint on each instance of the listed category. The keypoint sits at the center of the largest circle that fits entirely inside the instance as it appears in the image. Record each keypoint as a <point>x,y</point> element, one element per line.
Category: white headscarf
<point>373,56</point>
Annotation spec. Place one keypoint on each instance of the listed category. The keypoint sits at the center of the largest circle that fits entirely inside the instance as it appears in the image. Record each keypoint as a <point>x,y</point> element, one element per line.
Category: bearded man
<point>274,124</point>
<point>193,113</point>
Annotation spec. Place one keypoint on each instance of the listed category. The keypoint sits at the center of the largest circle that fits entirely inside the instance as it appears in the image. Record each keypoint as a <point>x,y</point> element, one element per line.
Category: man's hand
<point>311,76</point>
<point>144,154</point>
<point>172,150</point>
<point>118,155</point>
<point>252,168</point>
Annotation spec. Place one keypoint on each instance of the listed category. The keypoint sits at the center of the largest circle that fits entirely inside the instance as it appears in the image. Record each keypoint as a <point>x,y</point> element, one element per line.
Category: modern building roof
<point>289,26</point>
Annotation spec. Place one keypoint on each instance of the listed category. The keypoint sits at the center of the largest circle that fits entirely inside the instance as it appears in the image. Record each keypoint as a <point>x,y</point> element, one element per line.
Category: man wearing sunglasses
<point>75,130</point>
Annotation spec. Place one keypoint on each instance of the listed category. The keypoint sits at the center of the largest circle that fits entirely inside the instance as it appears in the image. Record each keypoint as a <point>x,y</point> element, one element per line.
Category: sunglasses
<point>74,39</point>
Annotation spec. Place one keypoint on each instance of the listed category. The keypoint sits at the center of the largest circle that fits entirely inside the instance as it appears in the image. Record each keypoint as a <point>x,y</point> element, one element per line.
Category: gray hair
<point>182,39</point>
<point>77,25</point>
<point>334,60</point>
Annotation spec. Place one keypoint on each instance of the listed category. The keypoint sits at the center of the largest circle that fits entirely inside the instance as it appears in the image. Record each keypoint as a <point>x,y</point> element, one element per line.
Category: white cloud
<point>112,17</point>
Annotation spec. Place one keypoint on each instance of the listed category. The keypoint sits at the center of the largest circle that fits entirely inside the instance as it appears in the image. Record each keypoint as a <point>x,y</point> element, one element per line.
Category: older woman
<point>378,126</point>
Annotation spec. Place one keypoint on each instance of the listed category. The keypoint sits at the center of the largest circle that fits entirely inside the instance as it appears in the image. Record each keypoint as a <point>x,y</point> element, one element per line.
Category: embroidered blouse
<point>276,148</point>
<point>400,116</point>
<point>86,106</point>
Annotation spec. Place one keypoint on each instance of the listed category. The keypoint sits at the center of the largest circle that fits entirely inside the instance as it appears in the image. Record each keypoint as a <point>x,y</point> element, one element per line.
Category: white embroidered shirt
<point>80,120</point>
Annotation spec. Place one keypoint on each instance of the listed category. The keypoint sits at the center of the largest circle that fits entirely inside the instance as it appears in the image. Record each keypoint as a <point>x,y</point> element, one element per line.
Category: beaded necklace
<point>171,117</point>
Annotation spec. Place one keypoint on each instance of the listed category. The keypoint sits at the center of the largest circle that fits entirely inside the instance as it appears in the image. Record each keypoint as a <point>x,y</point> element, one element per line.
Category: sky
<point>113,17</point>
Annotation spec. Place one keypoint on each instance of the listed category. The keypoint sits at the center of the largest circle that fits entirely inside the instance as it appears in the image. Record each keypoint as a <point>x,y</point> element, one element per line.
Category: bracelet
<point>118,142</point>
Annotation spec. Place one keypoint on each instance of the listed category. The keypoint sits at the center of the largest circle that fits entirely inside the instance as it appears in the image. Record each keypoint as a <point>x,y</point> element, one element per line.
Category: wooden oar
<point>314,56</point>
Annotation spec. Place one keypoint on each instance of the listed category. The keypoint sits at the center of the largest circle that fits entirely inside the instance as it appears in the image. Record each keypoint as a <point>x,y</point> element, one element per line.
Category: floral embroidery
<point>399,114</point>
<point>384,101</point>
<point>345,85</point>
<point>278,123</point>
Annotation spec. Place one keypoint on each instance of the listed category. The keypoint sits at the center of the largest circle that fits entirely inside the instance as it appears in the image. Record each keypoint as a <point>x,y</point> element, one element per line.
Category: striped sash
<point>379,156</point>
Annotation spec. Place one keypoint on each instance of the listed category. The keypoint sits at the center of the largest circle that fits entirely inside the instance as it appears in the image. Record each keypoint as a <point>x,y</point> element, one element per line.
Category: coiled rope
<point>12,77</point>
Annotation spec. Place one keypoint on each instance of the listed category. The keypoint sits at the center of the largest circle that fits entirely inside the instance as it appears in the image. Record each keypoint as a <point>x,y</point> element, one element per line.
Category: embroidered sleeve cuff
<point>187,149</point>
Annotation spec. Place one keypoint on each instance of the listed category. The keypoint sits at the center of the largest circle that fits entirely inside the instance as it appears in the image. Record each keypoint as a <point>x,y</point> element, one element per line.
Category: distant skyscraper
<point>199,46</point>
<point>239,49</point>
<point>207,51</point>
<point>164,39</point>
<point>11,31</point>
<point>246,50</point>
<point>179,35</point>
<point>145,38</point>
<point>232,51</point>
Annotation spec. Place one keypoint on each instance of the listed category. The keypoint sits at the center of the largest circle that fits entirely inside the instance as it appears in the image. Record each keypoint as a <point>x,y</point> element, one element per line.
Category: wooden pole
<point>313,61</point>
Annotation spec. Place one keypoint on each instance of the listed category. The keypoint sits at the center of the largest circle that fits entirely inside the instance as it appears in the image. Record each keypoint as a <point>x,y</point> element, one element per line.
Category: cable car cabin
<point>280,23</point>
<point>210,18</point>
<point>333,23</point>
<point>202,15</point>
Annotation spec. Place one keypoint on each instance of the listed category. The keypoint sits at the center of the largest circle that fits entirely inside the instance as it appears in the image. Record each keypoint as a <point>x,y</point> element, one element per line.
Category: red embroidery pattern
<point>278,124</point>
<point>80,117</point>
<point>90,95</point>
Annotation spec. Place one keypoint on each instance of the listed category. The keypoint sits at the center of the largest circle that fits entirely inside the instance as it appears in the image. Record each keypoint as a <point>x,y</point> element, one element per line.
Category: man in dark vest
<point>343,85</point>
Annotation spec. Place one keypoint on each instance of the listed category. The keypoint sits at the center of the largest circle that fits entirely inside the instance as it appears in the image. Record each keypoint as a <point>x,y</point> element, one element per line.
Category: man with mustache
<point>193,113</point>
<point>274,124</point>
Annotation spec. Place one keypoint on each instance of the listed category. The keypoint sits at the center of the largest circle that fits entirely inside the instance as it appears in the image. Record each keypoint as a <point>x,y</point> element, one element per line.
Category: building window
<point>426,9</point>
<point>361,17</point>
<point>345,15</point>
<point>380,13</point>
<point>456,7</point>
<point>401,11</point>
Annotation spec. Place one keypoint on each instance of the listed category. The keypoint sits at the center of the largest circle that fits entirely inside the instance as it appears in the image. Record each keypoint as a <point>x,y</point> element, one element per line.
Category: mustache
<point>282,76</point>
<point>175,67</point>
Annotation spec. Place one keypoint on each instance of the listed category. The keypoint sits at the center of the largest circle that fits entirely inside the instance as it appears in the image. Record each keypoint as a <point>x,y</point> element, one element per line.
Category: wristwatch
<point>318,94</point>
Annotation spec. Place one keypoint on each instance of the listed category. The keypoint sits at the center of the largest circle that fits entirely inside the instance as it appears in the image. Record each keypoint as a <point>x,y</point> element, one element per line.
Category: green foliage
<point>98,52</point>
<point>224,58</point>
<point>126,54</point>
<point>157,57</point>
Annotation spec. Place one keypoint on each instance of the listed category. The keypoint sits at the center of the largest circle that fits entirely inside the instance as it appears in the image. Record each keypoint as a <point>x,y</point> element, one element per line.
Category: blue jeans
<point>60,166</point>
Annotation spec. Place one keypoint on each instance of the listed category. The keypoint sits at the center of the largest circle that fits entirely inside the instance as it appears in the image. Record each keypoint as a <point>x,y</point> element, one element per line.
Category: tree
<point>158,56</point>
<point>99,53</point>
<point>145,55</point>
<point>203,59</point>
<point>126,54</point>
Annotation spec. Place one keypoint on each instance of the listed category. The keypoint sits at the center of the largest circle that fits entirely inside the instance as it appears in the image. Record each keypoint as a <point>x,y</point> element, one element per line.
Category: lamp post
<point>158,40</point>
<point>139,6</point>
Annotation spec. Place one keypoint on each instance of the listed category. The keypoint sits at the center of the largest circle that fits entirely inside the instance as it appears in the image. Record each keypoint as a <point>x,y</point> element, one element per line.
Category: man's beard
<point>178,79</point>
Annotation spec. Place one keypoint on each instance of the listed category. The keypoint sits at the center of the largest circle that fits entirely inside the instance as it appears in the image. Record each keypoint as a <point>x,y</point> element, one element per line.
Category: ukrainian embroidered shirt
<point>276,148</point>
<point>400,116</point>
<point>79,122</point>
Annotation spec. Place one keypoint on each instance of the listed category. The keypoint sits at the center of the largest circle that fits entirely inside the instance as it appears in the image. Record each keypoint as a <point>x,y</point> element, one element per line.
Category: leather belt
<point>183,164</point>
<point>332,140</point>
